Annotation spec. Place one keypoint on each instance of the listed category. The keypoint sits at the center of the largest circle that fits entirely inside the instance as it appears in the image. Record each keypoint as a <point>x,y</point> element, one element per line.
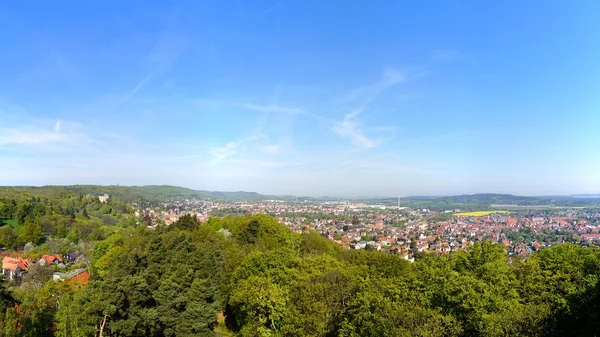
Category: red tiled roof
<point>11,263</point>
<point>50,258</point>
<point>79,279</point>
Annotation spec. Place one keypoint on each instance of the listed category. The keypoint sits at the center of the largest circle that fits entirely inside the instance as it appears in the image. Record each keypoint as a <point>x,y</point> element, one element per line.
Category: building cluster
<point>15,266</point>
<point>442,237</point>
<point>407,232</point>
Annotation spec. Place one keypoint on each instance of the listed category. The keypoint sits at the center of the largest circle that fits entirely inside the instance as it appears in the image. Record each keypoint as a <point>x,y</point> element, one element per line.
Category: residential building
<point>14,268</point>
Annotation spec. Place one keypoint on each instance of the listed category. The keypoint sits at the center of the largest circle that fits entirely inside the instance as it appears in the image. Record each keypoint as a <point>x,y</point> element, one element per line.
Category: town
<point>401,230</point>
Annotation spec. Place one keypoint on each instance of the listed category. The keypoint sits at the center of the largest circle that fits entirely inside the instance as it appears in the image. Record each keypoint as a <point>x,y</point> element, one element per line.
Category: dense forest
<point>249,275</point>
<point>268,281</point>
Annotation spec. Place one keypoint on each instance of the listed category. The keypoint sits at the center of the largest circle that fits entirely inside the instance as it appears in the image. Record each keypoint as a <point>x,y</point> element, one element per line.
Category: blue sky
<point>303,97</point>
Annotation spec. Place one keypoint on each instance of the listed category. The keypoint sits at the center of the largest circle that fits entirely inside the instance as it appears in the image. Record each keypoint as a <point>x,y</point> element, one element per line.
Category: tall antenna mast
<point>398,201</point>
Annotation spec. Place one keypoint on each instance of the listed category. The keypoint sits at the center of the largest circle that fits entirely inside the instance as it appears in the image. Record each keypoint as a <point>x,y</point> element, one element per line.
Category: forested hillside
<point>33,215</point>
<point>131,194</point>
<point>269,281</point>
<point>483,201</point>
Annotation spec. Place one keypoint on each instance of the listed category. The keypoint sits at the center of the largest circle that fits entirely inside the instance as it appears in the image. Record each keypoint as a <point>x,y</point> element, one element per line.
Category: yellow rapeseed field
<point>480,213</point>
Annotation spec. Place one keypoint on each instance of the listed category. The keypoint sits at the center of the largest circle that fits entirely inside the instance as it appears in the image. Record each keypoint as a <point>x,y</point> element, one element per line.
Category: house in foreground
<point>50,259</point>
<point>14,268</point>
<point>71,256</point>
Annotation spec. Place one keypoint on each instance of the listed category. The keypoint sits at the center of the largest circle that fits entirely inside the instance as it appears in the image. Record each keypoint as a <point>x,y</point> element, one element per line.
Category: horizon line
<point>590,195</point>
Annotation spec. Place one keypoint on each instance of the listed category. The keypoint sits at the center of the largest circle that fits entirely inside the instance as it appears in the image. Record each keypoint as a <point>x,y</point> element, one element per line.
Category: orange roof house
<point>50,259</point>
<point>79,280</point>
<point>14,267</point>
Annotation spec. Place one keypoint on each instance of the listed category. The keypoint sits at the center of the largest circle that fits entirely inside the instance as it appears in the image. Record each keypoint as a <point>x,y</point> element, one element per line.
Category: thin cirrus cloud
<point>37,141</point>
<point>275,108</point>
<point>271,108</point>
<point>140,84</point>
<point>32,134</point>
<point>233,147</point>
<point>226,151</point>
<point>348,127</point>
<point>169,46</point>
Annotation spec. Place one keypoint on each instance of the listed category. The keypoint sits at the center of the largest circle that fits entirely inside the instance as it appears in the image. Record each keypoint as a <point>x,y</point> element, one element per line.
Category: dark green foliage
<point>7,302</point>
<point>249,235</point>
<point>581,317</point>
<point>187,222</point>
<point>7,237</point>
<point>154,283</point>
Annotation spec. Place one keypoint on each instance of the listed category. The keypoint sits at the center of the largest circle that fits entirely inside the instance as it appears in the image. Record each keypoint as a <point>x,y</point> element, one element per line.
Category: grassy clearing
<point>11,223</point>
<point>480,213</point>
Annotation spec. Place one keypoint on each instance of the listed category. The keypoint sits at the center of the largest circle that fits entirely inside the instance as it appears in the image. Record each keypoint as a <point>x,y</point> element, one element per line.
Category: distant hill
<point>28,192</point>
<point>155,193</point>
<point>135,193</point>
<point>503,199</point>
<point>484,200</point>
<point>150,192</point>
<point>132,193</point>
<point>491,198</point>
<point>587,196</point>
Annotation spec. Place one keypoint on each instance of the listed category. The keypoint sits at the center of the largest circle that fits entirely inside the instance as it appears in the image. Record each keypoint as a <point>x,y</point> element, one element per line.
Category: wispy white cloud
<point>40,138</point>
<point>166,51</point>
<point>233,147</point>
<point>271,108</point>
<point>226,151</point>
<point>136,88</point>
<point>31,136</point>
<point>26,131</point>
<point>275,108</point>
<point>392,76</point>
<point>348,127</point>
<point>267,164</point>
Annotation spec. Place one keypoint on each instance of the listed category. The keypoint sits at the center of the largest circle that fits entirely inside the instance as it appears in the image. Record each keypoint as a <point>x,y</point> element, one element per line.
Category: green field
<point>11,223</point>
<point>481,213</point>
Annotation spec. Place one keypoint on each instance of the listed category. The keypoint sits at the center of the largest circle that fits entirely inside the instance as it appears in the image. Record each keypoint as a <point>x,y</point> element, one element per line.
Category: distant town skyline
<point>303,98</point>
